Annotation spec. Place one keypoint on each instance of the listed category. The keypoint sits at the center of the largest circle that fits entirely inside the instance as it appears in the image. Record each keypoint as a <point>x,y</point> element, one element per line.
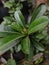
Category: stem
<point>11,55</point>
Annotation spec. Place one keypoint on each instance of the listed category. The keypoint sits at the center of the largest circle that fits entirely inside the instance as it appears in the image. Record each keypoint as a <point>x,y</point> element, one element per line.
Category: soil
<point>42,1</point>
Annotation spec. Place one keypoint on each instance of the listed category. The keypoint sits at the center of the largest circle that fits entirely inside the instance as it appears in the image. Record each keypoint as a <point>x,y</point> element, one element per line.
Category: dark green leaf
<point>8,41</point>
<point>38,45</point>
<point>25,45</point>
<point>39,11</point>
<point>40,36</point>
<point>38,24</point>
<point>31,54</point>
<point>6,33</point>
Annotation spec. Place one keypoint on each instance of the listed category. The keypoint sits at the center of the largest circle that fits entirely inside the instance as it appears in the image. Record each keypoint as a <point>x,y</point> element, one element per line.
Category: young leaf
<point>11,62</point>
<point>39,11</point>
<point>25,44</point>
<point>19,18</point>
<point>38,24</point>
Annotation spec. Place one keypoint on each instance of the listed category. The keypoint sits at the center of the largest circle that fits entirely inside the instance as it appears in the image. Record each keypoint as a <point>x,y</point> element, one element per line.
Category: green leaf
<point>19,18</point>
<point>38,45</point>
<point>6,33</point>
<point>38,24</point>
<point>1,27</point>
<point>31,54</point>
<point>5,25</point>
<point>7,20</point>
<point>40,36</point>
<point>39,11</point>
<point>19,6</point>
<point>8,4</point>
<point>16,26</point>
<point>11,62</point>
<point>25,44</point>
<point>18,47</point>
<point>8,41</point>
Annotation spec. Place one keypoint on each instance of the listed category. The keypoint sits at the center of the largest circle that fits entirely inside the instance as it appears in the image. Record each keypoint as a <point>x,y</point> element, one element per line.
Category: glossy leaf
<point>19,18</point>
<point>11,62</point>
<point>39,11</point>
<point>38,24</point>
<point>25,44</point>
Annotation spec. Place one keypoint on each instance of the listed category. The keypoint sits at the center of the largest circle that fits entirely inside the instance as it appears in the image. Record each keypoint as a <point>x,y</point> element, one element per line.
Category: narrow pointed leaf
<point>39,11</point>
<point>38,24</point>
<point>19,18</point>
<point>25,45</point>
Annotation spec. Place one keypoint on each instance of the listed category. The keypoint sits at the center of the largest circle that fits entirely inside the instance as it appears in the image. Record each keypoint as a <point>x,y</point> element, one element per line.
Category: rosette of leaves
<point>24,36</point>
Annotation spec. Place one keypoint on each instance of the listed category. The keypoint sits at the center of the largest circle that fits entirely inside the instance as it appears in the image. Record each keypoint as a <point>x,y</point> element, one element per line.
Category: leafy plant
<point>26,37</point>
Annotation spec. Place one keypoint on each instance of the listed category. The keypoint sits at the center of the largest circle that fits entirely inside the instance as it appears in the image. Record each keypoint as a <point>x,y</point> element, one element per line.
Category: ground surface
<point>42,1</point>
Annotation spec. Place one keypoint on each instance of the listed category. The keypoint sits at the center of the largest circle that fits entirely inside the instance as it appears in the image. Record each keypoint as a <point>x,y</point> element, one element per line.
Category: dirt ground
<point>42,1</point>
